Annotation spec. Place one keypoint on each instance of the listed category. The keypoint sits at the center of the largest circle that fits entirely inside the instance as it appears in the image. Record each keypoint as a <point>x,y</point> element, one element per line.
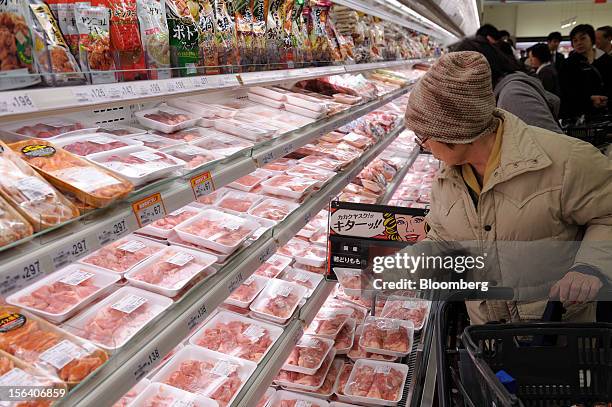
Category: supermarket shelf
<point>399,177</point>
<point>136,360</point>
<point>31,103</point>
<point>44,254</point>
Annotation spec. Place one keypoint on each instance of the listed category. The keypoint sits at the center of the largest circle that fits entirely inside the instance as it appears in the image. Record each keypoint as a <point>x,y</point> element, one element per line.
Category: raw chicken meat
<point>250,181</point>
<point>350,197</point>
<point>248,290</point>
<point>345,373</point>
<point>281,164</point>
<point>313,255</point>
<point>51,129</point>
<point>344,339</point>
<point>357,140</point>
<point>238,201</point>
<point>296,401</point>
<point>312,269</point>
<point>317,174</point>
<point>120,130</point>
<point>122,255</point>
<point>273,266</point>
<point>218,227</point>
<point>266,397</point>
<point>302,277</point>
<point>93,145</point>
<point>407,310</point>
<point>350,278</point>
<point>139,163</point>
<point>126,399</point>
<point>319,161</point>
<point>319,237</point>
<point>309,352</point>
<point>167,117</point>
<point>361,301</point>
<point>273,209</point>
<point>292,186</point>
<point>312,382</point>
<point>377,382</point>
<point>328,322</point>
<point>385,335</point>
<point>29,377</point>
<point>359,313</point>
<point>193,134</point>
<point>279,299</point>
<point>330,379</point>
<point>211,198</point>
<point>59,296</point>
<point>358,352</point>
<point>13,226</point>
<point>333,137</point>
<point>174,218</point>
<point>154,141</point>
<point>193,156</point>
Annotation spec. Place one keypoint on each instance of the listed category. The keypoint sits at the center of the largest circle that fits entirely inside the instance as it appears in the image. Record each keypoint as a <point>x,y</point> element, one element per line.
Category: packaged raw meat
<point>321,176</point>
<point>357,140</point>
<point>407,309</point>
<point>238,201</point>
<point>319,161</point>
<point>253,97</point>
<point>47,127</point>
<point>244,130</point>
<point>162,395</point>
<point>213,197</point>
<point>112,322</point>
<point>308,354</point>
<point>120,130</point>
<point>156,142</point>
<point>13,226</point>
<point>359,312</point>
<point>303,111</point>
<point>313,256</point>
<point>121,256</point>
<point>193,156</point>
<point>131,395</point>
<point>266,397</point>
<point>283,398</point>
<point>319,237</point>
<point>47,347</point>
<point>303,278</point>
<point>387,336</point>
<point>363,301</point>
<point>139,165</point>
<point>35,199</point>
<point>344,340</point>
<point>208,373</point>
<point>273,209</point>
<point>154,35</point>
<point>88,145</point>
<point>166,119</point>
<point>237,336</point>
<point>304,382</point>
<point>278,300</point>
<point>264,225</point>
<point>345,373</point>
<point>306,102</point>
<point>247,291</point>
<point>376,382</point>
<point>328,322</point>
<point>175,240</point>
<point>88,182</point>
<point>327,388</point>
<point>273,266</point>
<point>163,227</point>
<point>222,143</point>
<point>280,165</point>
<point>191,135</point>
<point>318,270</point>
<point>288,185</point>
<point>250,181</point>
<point>219,231</point>
<point>293,246</point>
<point>17,373</point>
<point>353,281</point>
<point>201,106</point>
<point>358,352</point>
<point>170,270</point>
<point>356,198</point>
<point>62,294</point>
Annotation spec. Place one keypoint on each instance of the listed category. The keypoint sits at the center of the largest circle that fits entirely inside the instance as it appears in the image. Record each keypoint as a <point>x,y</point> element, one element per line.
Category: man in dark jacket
<point>556,58</point>
<point>539,59</point>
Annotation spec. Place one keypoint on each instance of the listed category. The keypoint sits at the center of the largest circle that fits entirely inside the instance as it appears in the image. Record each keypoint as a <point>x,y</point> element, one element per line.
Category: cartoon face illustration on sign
<point>404,228</point>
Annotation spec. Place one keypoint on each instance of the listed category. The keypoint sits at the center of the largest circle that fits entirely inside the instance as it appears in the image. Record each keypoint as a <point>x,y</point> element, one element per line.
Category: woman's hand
<point>599,101</point>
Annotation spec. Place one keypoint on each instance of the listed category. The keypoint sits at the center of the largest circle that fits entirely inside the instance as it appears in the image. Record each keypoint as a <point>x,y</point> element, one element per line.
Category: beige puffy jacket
<point>546,208</point>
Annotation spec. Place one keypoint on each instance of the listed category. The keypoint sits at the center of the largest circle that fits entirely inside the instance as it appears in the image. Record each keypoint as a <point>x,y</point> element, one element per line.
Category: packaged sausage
<point>95,54</point>
<point>13,226</point>
<point>35,199</point>
<point>182,25</point>
<point>17,54</point>
<point>88,182</point>
<point>154,34</point>
<point>47,347</point>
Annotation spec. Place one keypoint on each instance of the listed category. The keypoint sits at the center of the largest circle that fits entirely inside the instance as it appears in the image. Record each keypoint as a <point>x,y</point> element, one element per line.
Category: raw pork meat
<point>51,129</point>
<point>172,270</point>
<point>382,382</point>
<point>308,352</point>
<point>57,297</point>
<point>86,147</point>
<point>273,209</point>
<point>122,255</point>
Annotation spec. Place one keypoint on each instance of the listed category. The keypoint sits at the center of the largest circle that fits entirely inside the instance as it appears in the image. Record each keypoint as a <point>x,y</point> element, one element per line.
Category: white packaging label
<point>384,369</point>
<point>284,290</point>
<point>87,179</point>
<point>149,138</point>
<point>232,222</point>
<point>132,246</point>
<point>352,137</point>
<point>129,303</point>
<point>411,304</point>
<point>101,140</point>
<point>187,151</point>
<point>146,156</point>
<point>254,332</point>
<point>309,342</point>
<point>223,368</point>
<point>76,277</point>
<point>303,403</point>
<point>17,377</point>
<point>182,403</point>
<point>61,354</point>
<point>180,259</point>
<point>34,188</point>
<point>178,212</point>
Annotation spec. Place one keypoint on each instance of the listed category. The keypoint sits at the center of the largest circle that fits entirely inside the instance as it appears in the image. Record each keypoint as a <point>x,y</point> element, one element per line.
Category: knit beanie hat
<point>453,102</point>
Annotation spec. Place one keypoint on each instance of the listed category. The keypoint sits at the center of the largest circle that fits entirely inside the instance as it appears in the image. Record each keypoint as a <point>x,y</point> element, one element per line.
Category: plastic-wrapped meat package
<point>327,389</point>
<point>132,394</point>
<point>308,354</point>
<point>302,277</point>
<point>48,127</point>
<point>313,256</point>
<point>247,291</point>
<point>356,198</point>
<point>91,144</point>
<point>344,156</point>
<point>250,181</point>
<point>191,135</point>
<point>13,226</point>
<point>288,185</point>
<point>345,373</point>
<point>163,395</point>
<point>319,237</point>
<point>283,398</point>
<point>333,137</point>
<point>213,197</point>
<point>48,348</point>
<point>249,131</point>
<point>193,156</point>
<point>278,300</point>
<point>121,256</point>
<point>293,247</point>
<point>222,143</point>
<point>88,182</point>
<point>280,165</point>
<point>318,174</point>
<point>406,309</point>
<point>167,120</point>
<point>318,270</point>
<point>340,294</point>
<point>376,380</point>
<point>344,340</point>
<point>141,165</point>
<point>237,336</point>
<point>303,381</point>
<point>161,228</point>
<point>120,130</point>
<point>319,161</point>
<point>156,142</point>
<point>273,209</point>
<point>328,322</point>
<point>273,266</point>
<point>359,313</point>
<point>238,201</point>
<point>358,352</point>
<point>387,336</point>
<point>350,279</point>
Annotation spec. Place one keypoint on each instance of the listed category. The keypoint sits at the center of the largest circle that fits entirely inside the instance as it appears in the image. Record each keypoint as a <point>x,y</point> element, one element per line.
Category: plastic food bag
<point>95,54</point>
<point>229,57</point>
<point>209,49</point>
<point>13,226</point>
<point>182,25</point>
<point>154,34</point>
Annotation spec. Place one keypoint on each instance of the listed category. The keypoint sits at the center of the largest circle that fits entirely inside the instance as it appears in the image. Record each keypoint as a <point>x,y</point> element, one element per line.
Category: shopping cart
<point>596,130</point>
<point>554,364</point>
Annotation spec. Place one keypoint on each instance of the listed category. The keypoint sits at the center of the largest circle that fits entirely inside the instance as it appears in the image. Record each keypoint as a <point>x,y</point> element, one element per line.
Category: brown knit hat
<point>453,102</point>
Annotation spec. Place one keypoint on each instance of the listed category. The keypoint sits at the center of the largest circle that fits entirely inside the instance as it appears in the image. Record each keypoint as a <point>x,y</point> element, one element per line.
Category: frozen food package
<point>163,395</point>
<point>35,199</point>
<point>47,347</point>
<point>304,382</point>
<point>283,398</point>
<point>88,182</point>
<point>308,354</point>
<point>13,226</point>
<point>184,36</point>
<point>222,143</point>
<point>272,267</point>
<point>90,144</point>
<point>171,269</point>
<point>206,372</point>
<point>163,227</point>
<point>248,182</point>
<point>344,340</point>
<point>245,293</point>
<point>302,277</point>
<point>157,142</point>
<point>273,209</point>
<point>121,256</point>
<point>288,185</point>
<point>62,294</point>
<point>237,336</point>
<point>112,322</point>
<point>166,119</point>
<point>95,53</point>
<point>407,309</point>
<point>155,37</point>
<point>238,201</point>
<point>193,156</point>
<point>55,61</point>
<point>278,300</point>
<point>329,322</point>
<point>387,336</point>
<point>18,67</point>
<point>373,382</point>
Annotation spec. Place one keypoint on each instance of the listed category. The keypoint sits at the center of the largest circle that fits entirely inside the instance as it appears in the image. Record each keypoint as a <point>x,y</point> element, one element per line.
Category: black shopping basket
<point>596,131</point>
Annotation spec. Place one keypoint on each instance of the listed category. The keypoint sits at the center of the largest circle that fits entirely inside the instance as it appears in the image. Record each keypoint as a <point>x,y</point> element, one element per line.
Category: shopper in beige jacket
<point>537,202</point>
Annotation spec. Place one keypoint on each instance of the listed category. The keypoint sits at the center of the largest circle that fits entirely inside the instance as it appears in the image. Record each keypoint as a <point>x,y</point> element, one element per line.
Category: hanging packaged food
<point>274,33</point>
<point>299,36</point>
<point>229,57</point>
<point>64,11</point>
<point>319,14</point>
<point>17,68</point>
<point>243,18</point>
<point>184,36</point>
<point>54,59</point>
<point>95,52</point>
<point>259,11</point>
<point>208,48</point>
<point>154,34</point>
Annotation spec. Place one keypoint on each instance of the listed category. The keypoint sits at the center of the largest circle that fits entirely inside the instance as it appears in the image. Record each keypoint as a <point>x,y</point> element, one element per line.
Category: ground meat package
<point>17,68</point>
<point>154,34</point>
<point>95,54</point>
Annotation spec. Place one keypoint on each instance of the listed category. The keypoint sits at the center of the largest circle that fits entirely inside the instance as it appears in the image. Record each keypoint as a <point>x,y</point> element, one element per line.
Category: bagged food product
<point>13,226</point>
<point>51,349</point>
<point>228,52</point>
<point>247,291</point>
<point>206,372</point>
<point>273,209</point>
<point>36,200</point>
<point>344,340</point>
<point>243,18</point>
<point>283,398</point>
<point>237,336</point>
<point>329,322</point>
<point>308,354</point>
<point>374,381</point>
<point>64,10</point>
<point>387,336</point>
<point>258,48</point>
<point>163,227</point>
<point>184,36</point>
<point>162,395</point>
<point>407,309</point>
<point>278,300</point>
<point>276,43</point>
<point>302,51</point>
<point>238,201</point>
<point>88,182</point>
<point>305,382</point>
<point>95,54</point>
<point>155,37</point>
<point>17,55</point>
<point>112,322</point>
<point>121,256</point>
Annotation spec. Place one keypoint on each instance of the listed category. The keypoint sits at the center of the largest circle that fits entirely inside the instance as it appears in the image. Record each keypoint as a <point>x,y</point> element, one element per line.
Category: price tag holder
<point>149,209</point>
<point>17,103</point>
<point>235,283</point>
<point>94,94</point>
<point>21,275</point>
<point>197,317</point>
<point>70,253</point>
<point>113,232</point>
<point>267,252</point>
<point>147,363</point>
<point>200,82</point>
<point>202,184</point>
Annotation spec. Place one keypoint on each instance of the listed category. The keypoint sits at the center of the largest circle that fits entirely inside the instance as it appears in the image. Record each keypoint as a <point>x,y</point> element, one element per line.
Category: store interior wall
<point>537,20</point>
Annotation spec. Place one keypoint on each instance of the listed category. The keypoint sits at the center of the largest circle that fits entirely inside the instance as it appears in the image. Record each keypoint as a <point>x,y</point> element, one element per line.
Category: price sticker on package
<point>202,184</point>
<point>16,103</point>
<point>149,209</point>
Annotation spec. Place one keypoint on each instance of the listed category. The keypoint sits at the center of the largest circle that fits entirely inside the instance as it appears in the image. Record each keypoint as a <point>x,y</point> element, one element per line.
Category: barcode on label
<point>384,369</point>
<point>132,246</point>
<point>180,259</point>
<point>129,303</point>
<point>223,368</point>
<point>77,277</point>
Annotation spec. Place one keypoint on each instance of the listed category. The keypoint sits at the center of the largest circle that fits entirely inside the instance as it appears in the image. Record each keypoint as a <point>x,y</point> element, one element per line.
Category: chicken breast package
<point>238,201</point>
<point>207,373</point>
<point>162,395</point>
<point>304,278</point>
<point>359,312</point>
<point>47,347</point>
<point>283,398</point>
<point>326,390</point>
<point>407,309</point>
<point>280,165</point>
<point>62,294</point>
<point>112,322</point>
<point>222,143</point>
<point>304,382</point>
<point>48,127</point>
<point>237,336</point>
<point>156,142</point>
<point>274,266</point>
<point>308,354</point>
<point>163,227</point>
<point>244,295</point>
<point>313,256</point>
<point>320,175</point>
<point>273,209</point>
<point>278,300</point>
<point>13,226</point>
<point>320,161</point>
<point>219,231</point>
<point>193,156</point>
<point>358,352</point>
<point>376,382</point>
<point>170,270</point>
<point>250,181</point>
<point>121,256</point>
<point>89,145</point>
<point>387,336</point>
<point>166,119</point>
<point>88,182</point>
<point>353,281</point>
<point>328,322</point>
<point>289,185</point>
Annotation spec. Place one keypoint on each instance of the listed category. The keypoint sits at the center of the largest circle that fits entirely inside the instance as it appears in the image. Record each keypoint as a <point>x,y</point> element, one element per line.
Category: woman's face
<point>582,43</point>
<point>410,228</point>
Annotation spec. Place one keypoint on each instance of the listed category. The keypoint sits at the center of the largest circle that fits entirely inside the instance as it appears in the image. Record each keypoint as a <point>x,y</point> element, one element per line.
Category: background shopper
<point>603,39</point>
<point>539,59</point>
<point>554,40</point>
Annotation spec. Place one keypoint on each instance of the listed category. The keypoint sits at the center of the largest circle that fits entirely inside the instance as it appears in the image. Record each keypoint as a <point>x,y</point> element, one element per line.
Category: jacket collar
<point>520,153</point>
